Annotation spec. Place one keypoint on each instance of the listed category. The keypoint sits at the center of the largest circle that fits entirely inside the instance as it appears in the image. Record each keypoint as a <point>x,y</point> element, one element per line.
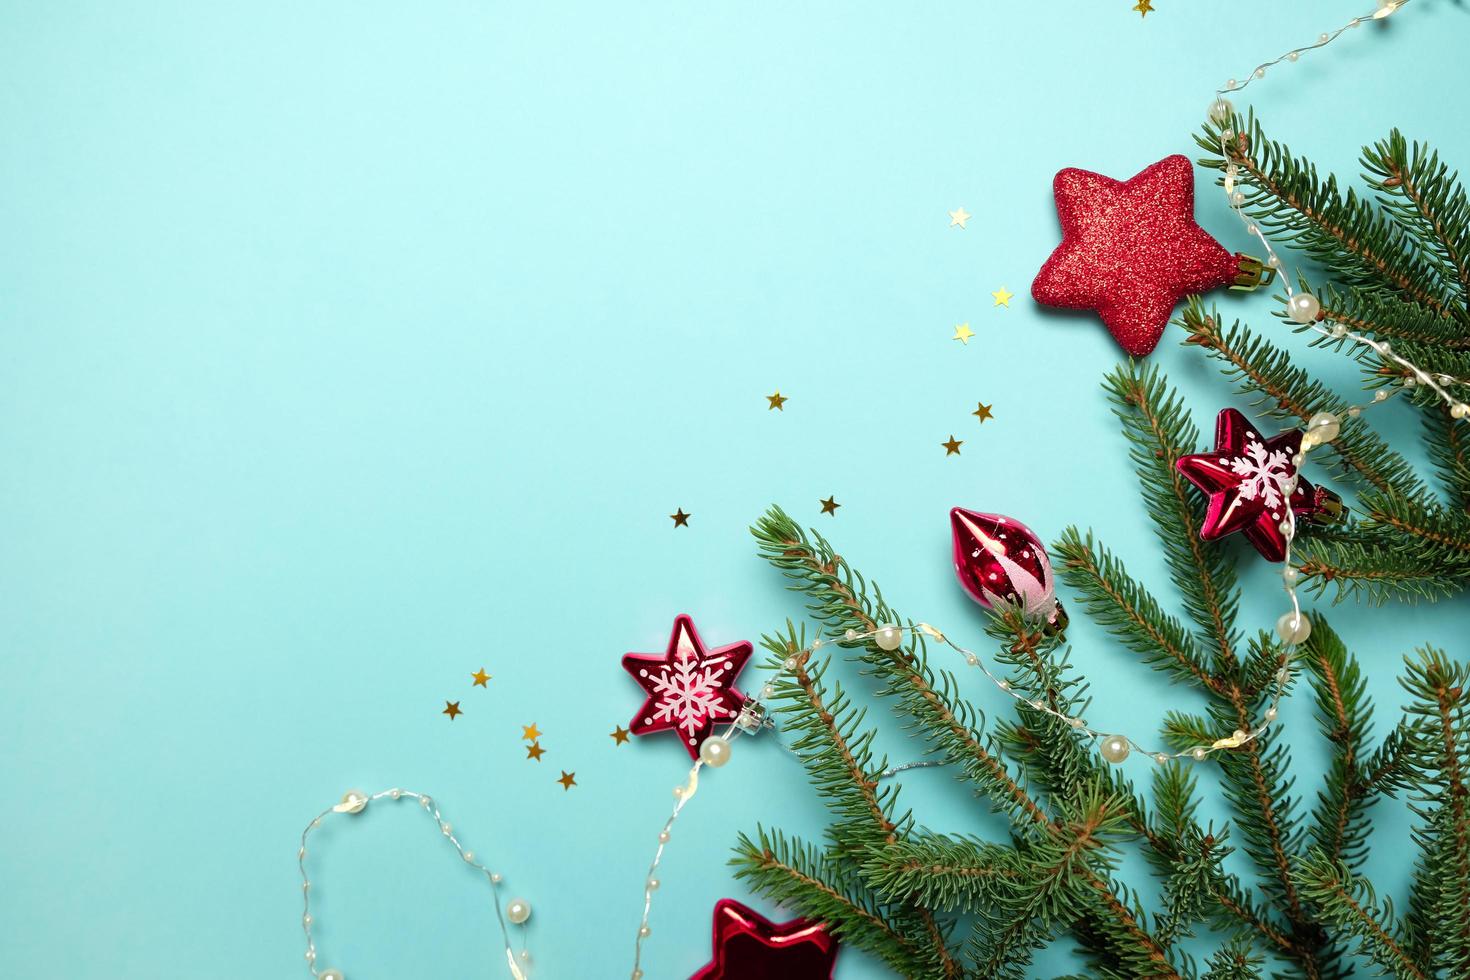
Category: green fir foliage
<point>1394,265</point>
<point>936,905</point>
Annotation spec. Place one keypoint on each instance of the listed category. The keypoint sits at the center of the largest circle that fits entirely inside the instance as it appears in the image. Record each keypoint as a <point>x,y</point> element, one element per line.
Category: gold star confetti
<point>619,735</point>
<point>830,505</point>
<point>680,518</point>
<point>952,448</point>
<point>982,413</point>
<point>777,401</point>
<point>535,751</point>
<point>958,217</point>
<point>530,733</point>
<point>451,708</point>
<point>568,779</point>
<point>1002,297</point>
<point>963,333</point>
<point>480,677</point>
<point>1143,7</point>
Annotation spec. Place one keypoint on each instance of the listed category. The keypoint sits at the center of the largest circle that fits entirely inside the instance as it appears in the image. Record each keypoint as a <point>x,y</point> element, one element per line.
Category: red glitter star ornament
<point>690,689</point>
<point>749,946</point>
<point>1251,481</point>
<point>1131,250</point>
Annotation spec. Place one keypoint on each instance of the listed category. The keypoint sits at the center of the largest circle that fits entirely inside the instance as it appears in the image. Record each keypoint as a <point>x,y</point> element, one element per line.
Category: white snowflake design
<point>1266,474</point>
<point>688,692</point>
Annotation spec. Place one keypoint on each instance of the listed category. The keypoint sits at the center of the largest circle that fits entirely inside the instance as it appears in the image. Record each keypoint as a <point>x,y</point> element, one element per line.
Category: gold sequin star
<point>952,447</point>
<point>777,401</point>
<point>568,779</point>
<point>1143,7</point>
<point>535,751</point>
<point>958,217</point>
<point>480,677</point>
<point>1002,297</point>
<point>530,732</point>
<point>451,708</point>
<point>963,333</point>
<point>680,518</point>
<point>619,735</point>
<point>830,505</point>
<point>983,412</point>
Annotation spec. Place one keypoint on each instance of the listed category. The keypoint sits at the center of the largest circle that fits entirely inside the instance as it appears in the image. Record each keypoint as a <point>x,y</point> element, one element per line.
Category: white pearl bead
<point>1339,330</point>
<point>448,828</point>
<point>306,920</point>
<point>1460,411</point>
<point>1323,38</point>
<point>1293,627</point>
<point>330,975</point>
<point>1115,748</point>
<point>789,663</point>
<point>518,911</point>
<point>1260,73</point>
<point>972,660</point>
<point>850,636</point>
<point>1303,307</point>
<point>1271,714</point>
<point>653,884</point>
<point>495,877</point>
<point>1230,84</point>
<point>663,836</point>
<point>644,931</point>
<point>889,638</point>
<point>1221,109</point>
<point>1380,395</point>
<point>1324,427</point>
<point>1290,574</point>
<point>354,800</point>
<point>1292,55</point>
<point>469,856</point>
<point>1077,722</point>
<point>1237,198</point>
<point>768,691</point>
<point>715,751</point>
<point>1161,759</point>
<point>1198,754</point>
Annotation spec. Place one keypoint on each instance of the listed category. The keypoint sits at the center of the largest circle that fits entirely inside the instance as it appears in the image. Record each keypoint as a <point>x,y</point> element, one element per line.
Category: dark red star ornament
<point>1251,481</point>
<point>1131,250</point>
<point>690,689</point>
<point>749,946</point>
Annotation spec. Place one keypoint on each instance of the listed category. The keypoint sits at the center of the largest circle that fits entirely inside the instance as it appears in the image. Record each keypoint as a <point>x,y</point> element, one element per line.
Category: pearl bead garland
<point>352,804</point>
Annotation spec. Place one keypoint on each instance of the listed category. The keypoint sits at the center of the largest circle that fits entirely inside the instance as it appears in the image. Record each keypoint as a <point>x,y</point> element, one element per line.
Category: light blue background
<point>346,348</point>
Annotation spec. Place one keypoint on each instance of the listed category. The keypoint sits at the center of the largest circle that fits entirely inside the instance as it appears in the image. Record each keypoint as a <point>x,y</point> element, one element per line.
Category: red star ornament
<point>1131,250</point>
<point>690,689</point>
<point>749,946</point>
<point>1250,482</point>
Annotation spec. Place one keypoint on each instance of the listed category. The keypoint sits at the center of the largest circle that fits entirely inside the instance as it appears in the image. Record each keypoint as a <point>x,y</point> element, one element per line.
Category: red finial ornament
<point>1131,250</point>
<point>999,560</point>
<point>749,946</point>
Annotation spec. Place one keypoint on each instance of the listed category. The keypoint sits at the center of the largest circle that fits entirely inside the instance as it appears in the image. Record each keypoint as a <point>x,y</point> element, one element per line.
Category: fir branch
<point>1155,422</point>
<point>941,871</point>
<point>839,761</point>
<point>1387,317</point>
<point>1236,961</point>
<point>1441,753</point>
<point>1338,230</point>
<point>1119,603</point>
<point>1340,820</point>
<point>1348,901</point>
<point>796,874</point>
<point>1427,200</point>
